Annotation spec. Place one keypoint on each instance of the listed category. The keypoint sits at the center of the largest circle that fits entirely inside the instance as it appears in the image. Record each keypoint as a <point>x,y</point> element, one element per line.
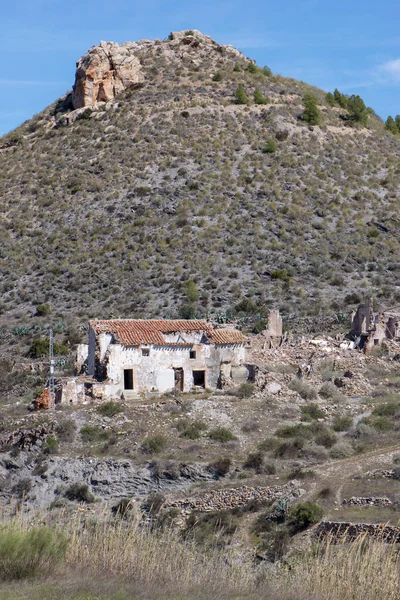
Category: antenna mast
<point>51,377</point>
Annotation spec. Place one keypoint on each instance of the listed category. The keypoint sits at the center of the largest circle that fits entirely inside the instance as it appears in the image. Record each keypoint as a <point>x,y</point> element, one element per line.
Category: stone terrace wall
<point>350,531</point>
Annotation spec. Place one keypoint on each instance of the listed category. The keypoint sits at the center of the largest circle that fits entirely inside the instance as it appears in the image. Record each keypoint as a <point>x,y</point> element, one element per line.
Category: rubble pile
<point>355,501</point>
<point>226,499</point>
<point>379,474</point>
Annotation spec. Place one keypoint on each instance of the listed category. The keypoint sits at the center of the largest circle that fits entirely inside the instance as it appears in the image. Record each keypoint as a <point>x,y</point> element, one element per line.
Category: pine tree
<point>397,120</point>
<point>391,125</point>
<point>340,99</point>
<point>259,97</point>
<point>311,114</point>
<point>358,112</point>
<point>330,99</point>
<point>240,95</point>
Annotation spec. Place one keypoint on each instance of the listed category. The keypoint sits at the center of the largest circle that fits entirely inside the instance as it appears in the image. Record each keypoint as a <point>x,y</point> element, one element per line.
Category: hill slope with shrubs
<point>207,184</point>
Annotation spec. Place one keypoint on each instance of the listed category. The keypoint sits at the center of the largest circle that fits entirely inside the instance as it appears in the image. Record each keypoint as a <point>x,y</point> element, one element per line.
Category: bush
<point>386,410</point>
<point>259,97</point>
<point>305,391</point>
<point>27,554</point>
<point>311,411</point>
<point>110,409</point>
<point>50,446</point>
<point>66,430</point>
<point>342,423</point>
<point>218,76</point>
<point>303,515</point>
<point>192,430</point>
<point>245,390</point>
<point>90,433</point>
<point>221,434</point>
<point>22,488</point>
<point>154,444</point>
<point>254,461</point>
<point>79,492</point>
<point>220,467</point>
<point>328,390</point>
<point>269,147</point>
<point>123,507</point>
<point>42,310</point>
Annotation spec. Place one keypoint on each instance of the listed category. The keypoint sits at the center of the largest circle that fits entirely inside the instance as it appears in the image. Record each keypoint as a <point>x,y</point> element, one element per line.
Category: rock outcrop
<point>104,72</point>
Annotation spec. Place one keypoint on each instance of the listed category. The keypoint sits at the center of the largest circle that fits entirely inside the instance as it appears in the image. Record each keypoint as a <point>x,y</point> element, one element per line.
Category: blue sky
<point>352,45</point>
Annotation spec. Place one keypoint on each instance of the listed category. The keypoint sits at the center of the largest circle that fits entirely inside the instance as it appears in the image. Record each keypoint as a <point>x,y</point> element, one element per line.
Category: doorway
<point>199,379</point>
<point>178,380</point>
<point>128,379</point>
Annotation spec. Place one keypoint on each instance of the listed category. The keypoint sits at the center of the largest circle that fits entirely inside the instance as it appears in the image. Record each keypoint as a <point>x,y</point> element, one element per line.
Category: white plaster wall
<point>156,371</point>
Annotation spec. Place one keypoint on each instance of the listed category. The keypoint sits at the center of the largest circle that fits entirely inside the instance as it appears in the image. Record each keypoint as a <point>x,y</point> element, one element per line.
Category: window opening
<point>199,378</point>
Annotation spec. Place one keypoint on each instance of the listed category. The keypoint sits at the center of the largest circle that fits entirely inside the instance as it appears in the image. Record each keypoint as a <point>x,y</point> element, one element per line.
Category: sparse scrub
<point>154,444</point>
<point>79,492</point>
<point>221,434</point>
<point>305,391</point>
<point>110,409</point>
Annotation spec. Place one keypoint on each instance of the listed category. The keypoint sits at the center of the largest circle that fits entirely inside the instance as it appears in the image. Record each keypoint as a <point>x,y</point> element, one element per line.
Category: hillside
<point>112,209</point>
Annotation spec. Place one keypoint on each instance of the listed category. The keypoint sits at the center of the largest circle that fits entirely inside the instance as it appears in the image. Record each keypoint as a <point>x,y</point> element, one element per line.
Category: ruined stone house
<point>372,328</point>
<point>125,357</point>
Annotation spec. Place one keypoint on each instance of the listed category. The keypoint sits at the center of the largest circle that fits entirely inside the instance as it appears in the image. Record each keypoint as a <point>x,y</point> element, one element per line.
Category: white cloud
<point>392,68</point>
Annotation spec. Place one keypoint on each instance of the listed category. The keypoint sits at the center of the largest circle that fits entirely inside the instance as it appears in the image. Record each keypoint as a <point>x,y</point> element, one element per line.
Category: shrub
<point>218,76</point>
<point>123,507</point>
<point>154,444</point>
<point>269,147</point>
<point>245,390</point>
<point>154,503</point>
<point>79,492</point>
<point>268,444</point>
<point>311,411</point>
<point>210,528</point>
<point>22,487</point>
<point>386,410</point>
<point>193,430</point>
<point>43,310</point>
<point>291,449</point>
<point>396,473</point>
<point>259,97</point>
<point>381,424</point>
<point>305,391</point>
<point>110,409</point>
<point>328,390</point>
<point>50,446</point>
<point>90,433</point>
<point>254,461</point>
<point>252,68</point>
<point>66,430</point>
<point>303,515</point>
<point>220,467</point>
<point>342,423</point>
<point>221,434</point>
<point>26,554</point>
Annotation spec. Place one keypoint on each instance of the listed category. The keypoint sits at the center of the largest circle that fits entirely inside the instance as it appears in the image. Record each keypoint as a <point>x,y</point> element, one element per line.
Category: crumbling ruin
<point>125,357</point>
<point>371,328</point>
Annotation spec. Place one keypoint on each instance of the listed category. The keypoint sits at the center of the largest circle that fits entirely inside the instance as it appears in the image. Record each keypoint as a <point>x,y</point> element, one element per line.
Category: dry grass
<point>126,561</point>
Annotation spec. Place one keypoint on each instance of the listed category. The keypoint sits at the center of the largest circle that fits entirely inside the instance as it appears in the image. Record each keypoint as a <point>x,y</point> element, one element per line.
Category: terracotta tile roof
<point>133,332</point>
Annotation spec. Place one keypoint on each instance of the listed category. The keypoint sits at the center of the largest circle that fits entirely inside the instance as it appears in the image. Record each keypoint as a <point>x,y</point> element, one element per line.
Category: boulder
<point>104,72</point>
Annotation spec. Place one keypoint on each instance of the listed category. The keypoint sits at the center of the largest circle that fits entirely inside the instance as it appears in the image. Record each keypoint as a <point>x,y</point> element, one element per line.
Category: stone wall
<point>351,531</point>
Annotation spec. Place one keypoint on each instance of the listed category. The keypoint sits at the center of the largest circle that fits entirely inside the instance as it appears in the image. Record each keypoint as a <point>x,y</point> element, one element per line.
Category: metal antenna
<point>51,378</point>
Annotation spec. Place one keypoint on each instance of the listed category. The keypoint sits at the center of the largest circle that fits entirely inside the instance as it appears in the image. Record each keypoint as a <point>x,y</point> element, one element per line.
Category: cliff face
<point>104,72</point>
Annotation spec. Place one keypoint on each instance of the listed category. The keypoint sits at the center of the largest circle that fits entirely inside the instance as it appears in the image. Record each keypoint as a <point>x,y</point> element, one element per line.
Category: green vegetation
<point>31,553</point>
<point>91,433</point>
<point>304,514</point>
<point>311,113</point>
<point>110,409</point>
<point>154,444</point>
<point>79,492</point>
<point>240,95</point>
<point>259,97</point>
<point>221,434</point>
<point>269,147</point>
